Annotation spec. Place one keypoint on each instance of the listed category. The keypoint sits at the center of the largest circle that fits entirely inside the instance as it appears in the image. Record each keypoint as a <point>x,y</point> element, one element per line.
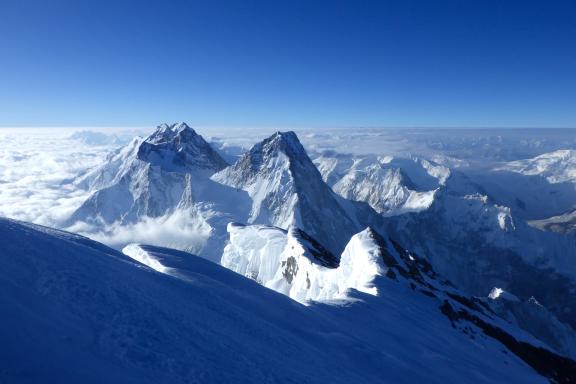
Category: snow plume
<point>175,230</point>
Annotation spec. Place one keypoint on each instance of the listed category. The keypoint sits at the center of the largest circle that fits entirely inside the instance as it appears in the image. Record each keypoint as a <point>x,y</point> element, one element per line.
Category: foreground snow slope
<point>74,310</point>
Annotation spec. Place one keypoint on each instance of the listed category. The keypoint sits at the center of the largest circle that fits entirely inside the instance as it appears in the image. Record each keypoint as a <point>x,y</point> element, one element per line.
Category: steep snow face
<point>391,186</point>
<point>534,318</point>
<point>164,175</point>
<point>557,167</point>
<point>292,263</point>
<point>384,189</point>
<point>116,165</point>
<point>287,190</point>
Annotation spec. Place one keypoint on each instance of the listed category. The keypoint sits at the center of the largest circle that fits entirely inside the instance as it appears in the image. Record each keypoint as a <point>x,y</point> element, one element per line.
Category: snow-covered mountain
<point>535,188</point>
<point>373,269</point>
<point>295,267</point>
<point>462,230</point>
<point>389,185</point>
<point>165,174</point>
<point>332,234</point>
<point>287,190</point>
<point>149,177</point>
<point>557,167</point>
<point>479,245</point>
<point>174,171</point>
<point>306,213</point>
<point>292,263</point>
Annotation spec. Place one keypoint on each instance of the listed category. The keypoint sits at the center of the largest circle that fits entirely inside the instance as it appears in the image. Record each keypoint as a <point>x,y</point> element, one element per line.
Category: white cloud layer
<point>172,231</point>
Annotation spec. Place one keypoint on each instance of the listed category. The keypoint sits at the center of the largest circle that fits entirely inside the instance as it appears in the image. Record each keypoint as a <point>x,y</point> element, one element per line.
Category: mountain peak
<point>279,152</point>
<point>287,190</point>
<point>168,132</point>
<point>286,142</point>
<point>177,147</point>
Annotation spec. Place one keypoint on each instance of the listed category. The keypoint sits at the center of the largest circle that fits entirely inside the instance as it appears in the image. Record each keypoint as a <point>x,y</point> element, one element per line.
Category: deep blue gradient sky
<point>498,63</point>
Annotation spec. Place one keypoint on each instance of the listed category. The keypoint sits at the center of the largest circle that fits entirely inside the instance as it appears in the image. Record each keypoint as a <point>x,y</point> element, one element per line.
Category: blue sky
<point>287,63</point>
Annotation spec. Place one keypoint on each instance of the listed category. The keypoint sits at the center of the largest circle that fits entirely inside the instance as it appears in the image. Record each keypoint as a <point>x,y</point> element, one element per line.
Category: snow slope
<point>292,263</point>
<point>536,319</point>
<point>74,310</point>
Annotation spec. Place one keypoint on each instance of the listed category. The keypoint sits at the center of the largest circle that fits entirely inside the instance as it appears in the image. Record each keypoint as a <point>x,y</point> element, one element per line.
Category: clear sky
<point>501,63</point>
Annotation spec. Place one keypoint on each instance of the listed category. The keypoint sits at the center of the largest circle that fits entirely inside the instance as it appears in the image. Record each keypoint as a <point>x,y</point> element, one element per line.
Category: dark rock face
<point>321,255</point>
<point>289,269</point>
